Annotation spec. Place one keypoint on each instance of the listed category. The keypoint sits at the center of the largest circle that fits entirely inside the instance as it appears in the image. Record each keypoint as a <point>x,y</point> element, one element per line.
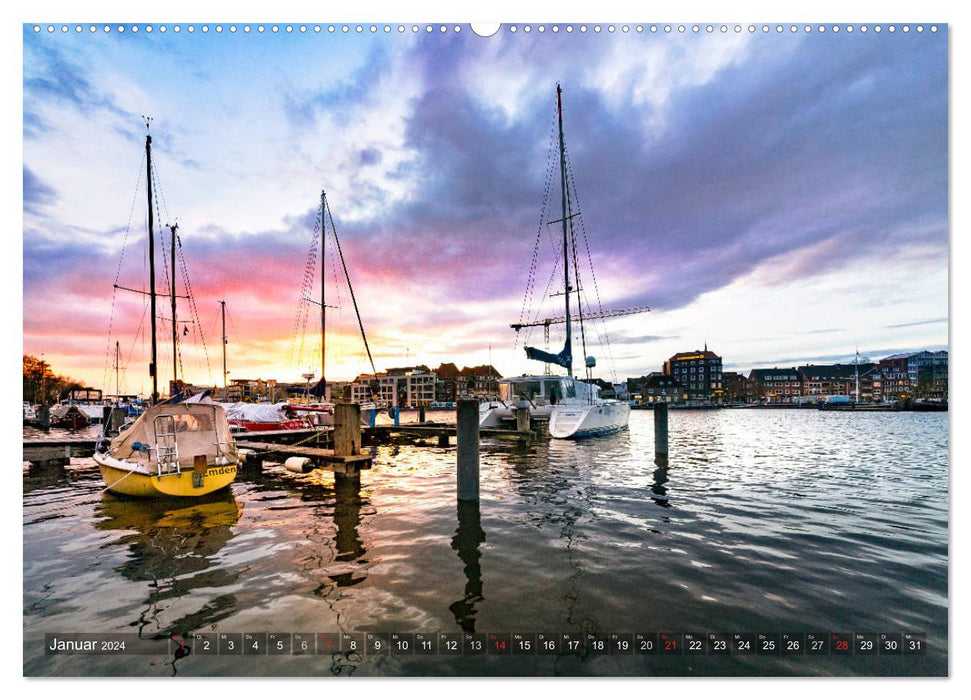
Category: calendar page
<point>436,349</point>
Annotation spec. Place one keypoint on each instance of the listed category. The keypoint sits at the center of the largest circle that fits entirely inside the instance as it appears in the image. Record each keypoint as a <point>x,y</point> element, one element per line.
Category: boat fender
<point>141,447</point>
<point>298,465</point>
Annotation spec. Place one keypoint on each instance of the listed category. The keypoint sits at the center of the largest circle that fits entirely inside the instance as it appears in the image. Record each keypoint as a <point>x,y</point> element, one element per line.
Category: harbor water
<point>782,521</point>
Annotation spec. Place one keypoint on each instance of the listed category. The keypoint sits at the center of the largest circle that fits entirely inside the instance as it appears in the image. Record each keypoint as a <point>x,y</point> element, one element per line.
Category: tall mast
<point>117,391</point>
<point>175,334</point>
<point>323,304</point>
<point>153,367</point>
<point>566,255</point>
<point>223,304</point>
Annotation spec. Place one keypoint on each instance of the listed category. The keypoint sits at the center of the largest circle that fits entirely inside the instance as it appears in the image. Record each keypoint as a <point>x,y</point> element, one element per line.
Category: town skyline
<point>782,225</point>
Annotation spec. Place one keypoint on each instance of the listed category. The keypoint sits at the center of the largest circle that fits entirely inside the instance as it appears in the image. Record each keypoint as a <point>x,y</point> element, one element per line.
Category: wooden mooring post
<point>347,443</point>
<point>467,453</point>
<point>421,414</point>
<point>44,417</point>
<point>523,419</point>
<point>661,433</point>
<point>347,429</point>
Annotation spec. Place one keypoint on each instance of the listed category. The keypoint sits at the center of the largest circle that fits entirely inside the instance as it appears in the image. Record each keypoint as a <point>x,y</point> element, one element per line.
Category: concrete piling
<point>661,433</point>
<point>467,457</point>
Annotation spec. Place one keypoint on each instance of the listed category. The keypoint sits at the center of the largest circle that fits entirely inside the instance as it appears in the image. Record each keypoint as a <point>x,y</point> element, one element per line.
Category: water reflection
<point>468,536</point>
<point>347,518</point>
<point>657,488</point>
<point>173,547</point>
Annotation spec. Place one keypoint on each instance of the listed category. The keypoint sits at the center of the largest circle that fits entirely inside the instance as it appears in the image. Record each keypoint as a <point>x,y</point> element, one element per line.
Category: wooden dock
<point>50,450</point>
<point>282,444</point>
<point>445,430</point>
<point>324,458</point>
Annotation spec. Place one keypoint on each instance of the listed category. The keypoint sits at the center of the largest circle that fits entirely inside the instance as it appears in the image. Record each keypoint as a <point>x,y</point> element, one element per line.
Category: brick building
<point>774,385</point>
<point>699,373</point>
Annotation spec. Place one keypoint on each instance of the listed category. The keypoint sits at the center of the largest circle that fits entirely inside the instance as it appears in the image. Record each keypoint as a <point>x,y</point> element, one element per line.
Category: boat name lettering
<point>222,470</point>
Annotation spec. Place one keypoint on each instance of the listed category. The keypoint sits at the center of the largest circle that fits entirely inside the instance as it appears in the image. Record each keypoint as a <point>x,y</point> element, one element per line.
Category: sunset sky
<point>780,196</point>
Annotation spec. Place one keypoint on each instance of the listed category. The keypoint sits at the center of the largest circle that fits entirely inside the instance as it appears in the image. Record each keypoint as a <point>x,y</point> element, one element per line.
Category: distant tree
<point>42,386</point>
<point>37,377</point>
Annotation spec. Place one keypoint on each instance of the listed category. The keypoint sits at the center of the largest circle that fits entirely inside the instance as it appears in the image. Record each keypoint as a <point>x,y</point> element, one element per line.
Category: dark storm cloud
<point>824,149</point>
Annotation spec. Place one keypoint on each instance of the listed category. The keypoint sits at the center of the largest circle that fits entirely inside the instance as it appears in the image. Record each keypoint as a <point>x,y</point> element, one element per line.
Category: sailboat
<point>322,409</point>
<point>173,449</point>
<point>573,408</point>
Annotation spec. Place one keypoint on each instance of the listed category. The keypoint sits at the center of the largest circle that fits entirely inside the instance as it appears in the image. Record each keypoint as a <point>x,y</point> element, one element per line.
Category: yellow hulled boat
<point>171,450</point>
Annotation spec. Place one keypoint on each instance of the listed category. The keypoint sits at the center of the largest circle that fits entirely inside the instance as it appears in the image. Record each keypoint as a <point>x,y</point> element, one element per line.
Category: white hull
<point>586,420</point>
<point>494,414</point>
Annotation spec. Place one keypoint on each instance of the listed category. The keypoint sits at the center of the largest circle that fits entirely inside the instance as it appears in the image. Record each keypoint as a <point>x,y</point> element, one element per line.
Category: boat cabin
<point>545,389</point>
<point>171,437</point>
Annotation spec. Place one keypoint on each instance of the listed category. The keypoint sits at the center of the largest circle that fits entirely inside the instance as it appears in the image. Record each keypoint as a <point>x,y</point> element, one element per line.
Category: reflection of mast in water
<point>562,485</point>
<point>171,547</point>
<point>468,536</point>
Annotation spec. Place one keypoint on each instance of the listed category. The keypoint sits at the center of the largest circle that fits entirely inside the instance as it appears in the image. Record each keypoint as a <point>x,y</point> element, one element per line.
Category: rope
<point>350,288</point>
<point>117,482</point>
<point>605,338</point>
<point>531,277</point>
<point>193,308</point>
<point>303,306</point>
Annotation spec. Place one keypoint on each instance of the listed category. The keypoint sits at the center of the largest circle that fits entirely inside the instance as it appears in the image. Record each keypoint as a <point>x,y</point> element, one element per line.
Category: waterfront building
<point>820,381</point>
<point>776,385</point>
<point>249,390</point>
<point>928,374</point>
<point>405,387</point>
<point>735,386</point>
<point>659,387</point>
<point>446,386</point>
<point>699,373</point>
<point>481,380</point>
<point>894,380</point>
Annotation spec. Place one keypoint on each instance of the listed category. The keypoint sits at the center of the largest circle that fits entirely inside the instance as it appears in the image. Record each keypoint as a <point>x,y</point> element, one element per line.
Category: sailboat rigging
<point>173,449</point>
<point>326,216</point>
<point>574,408</point>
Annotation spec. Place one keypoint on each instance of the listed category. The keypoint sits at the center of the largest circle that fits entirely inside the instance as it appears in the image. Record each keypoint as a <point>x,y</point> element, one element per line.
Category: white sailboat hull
<point>495,414</point>
<point>588,420</point>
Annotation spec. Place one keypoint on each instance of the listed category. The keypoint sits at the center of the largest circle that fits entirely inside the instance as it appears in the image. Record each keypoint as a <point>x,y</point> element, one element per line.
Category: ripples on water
<point>764,521</point>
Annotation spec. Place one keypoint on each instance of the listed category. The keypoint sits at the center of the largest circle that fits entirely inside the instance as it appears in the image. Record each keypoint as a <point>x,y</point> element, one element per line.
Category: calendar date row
<point>539,643</point>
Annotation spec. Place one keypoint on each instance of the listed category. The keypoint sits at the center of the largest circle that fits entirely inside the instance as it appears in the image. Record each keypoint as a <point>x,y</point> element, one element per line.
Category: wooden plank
<point>447,429</point>
<point>317,453</point>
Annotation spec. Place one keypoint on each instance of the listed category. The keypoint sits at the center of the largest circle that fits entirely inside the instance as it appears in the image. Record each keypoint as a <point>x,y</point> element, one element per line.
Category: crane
<point>546,323</point>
